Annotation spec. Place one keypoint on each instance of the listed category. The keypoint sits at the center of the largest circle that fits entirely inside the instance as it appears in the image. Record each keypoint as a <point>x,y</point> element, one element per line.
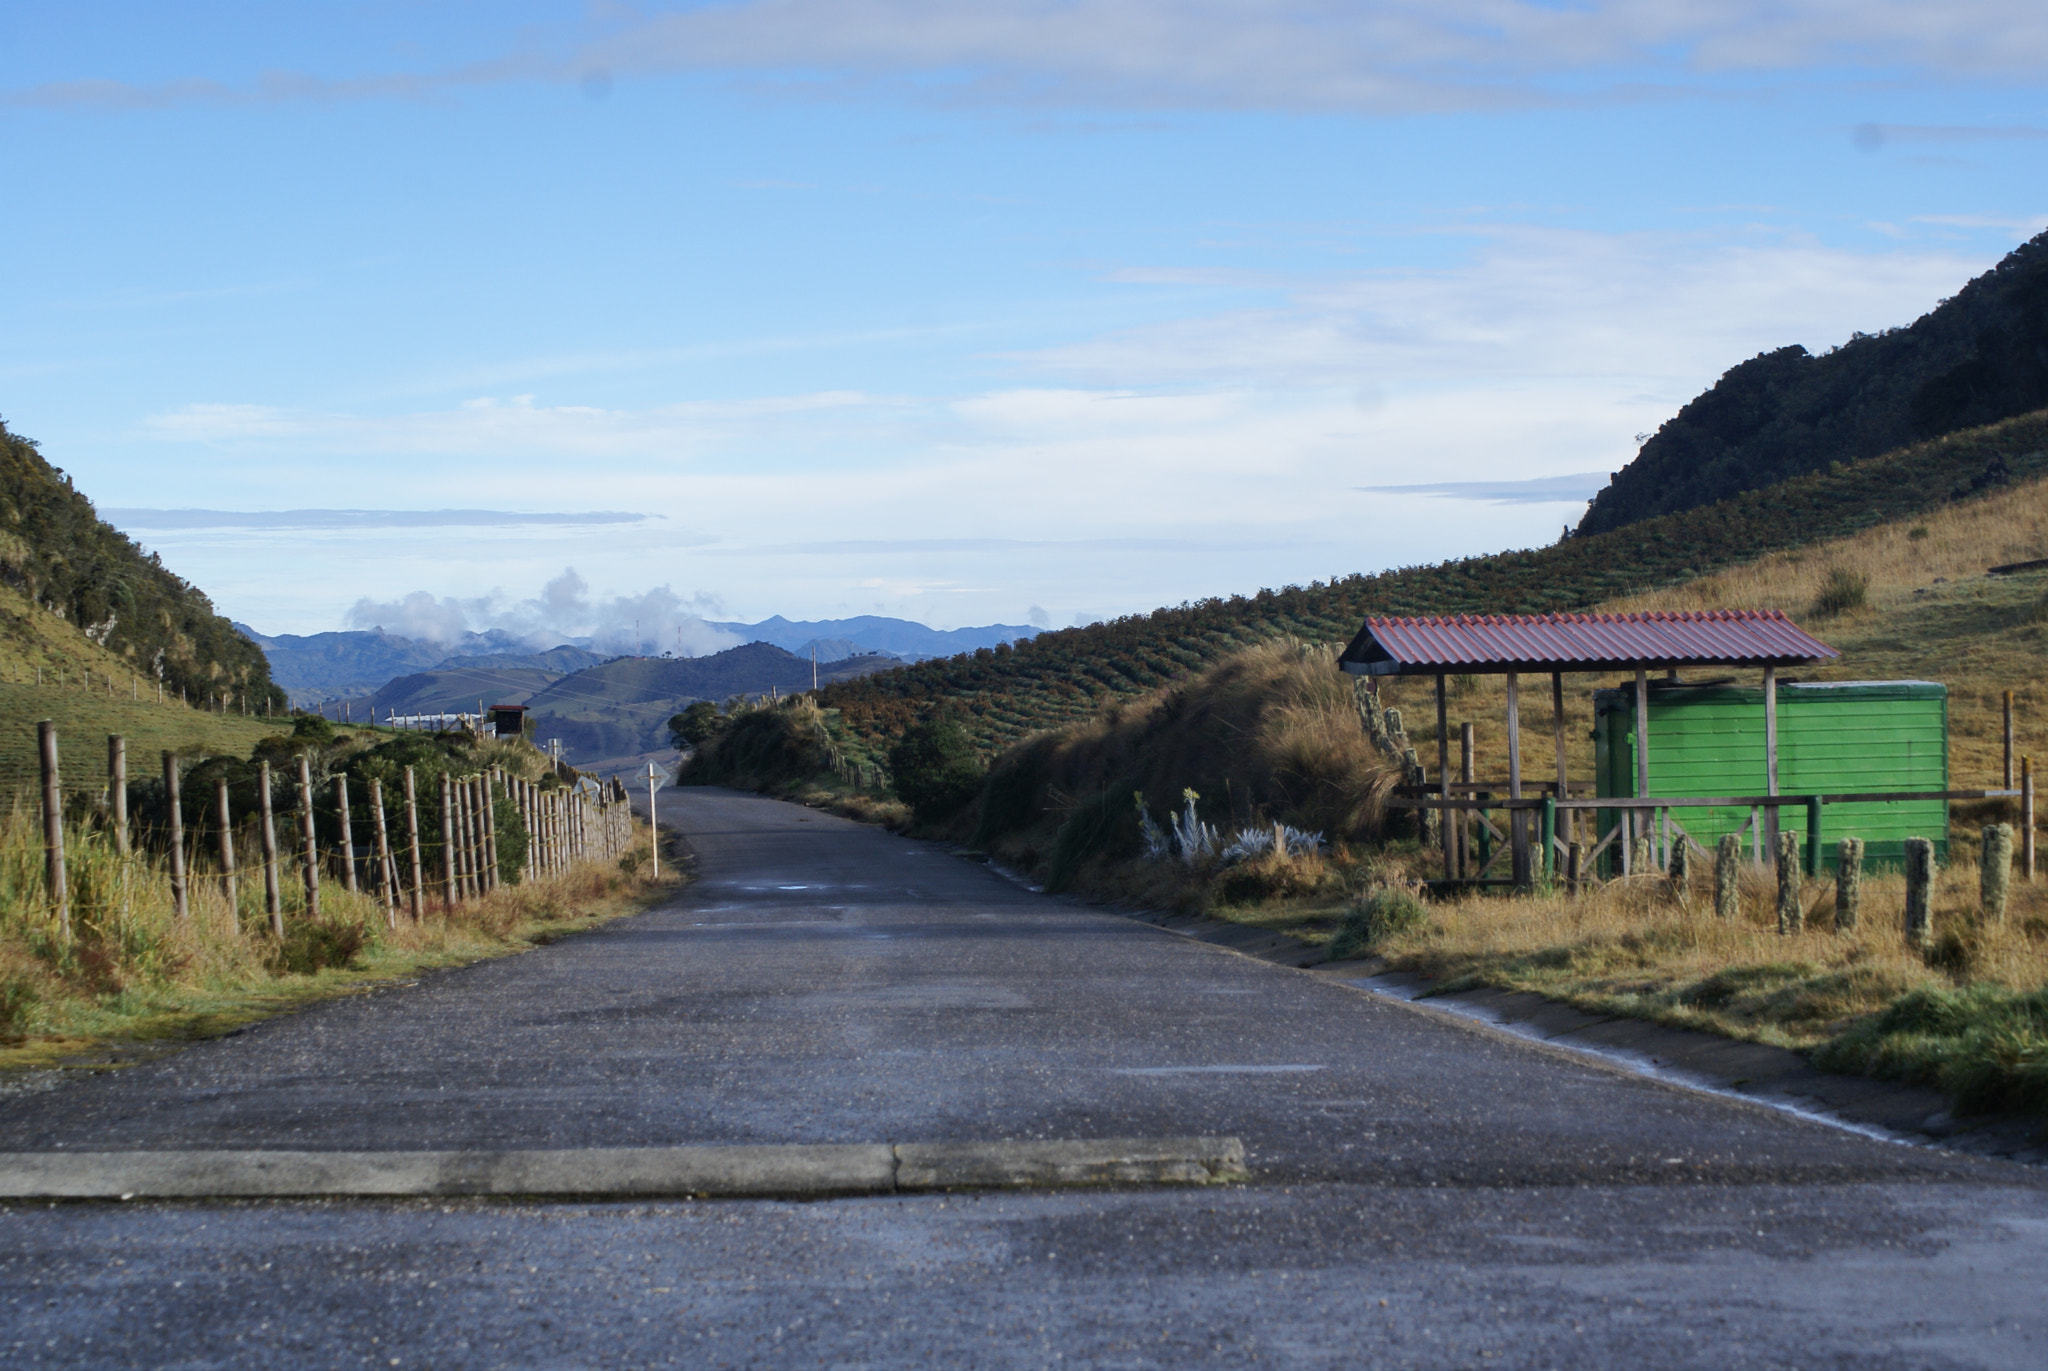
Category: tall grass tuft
<point>1841,591</point>
<point>130,962</point>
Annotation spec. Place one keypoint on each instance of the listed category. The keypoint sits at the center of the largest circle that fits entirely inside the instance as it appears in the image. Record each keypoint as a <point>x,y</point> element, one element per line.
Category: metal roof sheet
<point>1486,643</point>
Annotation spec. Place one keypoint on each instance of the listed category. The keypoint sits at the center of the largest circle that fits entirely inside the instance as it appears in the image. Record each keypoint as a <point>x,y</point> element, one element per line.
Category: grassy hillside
<point>1976,359</point>
<point>77,675</point>
<point>68,564</point>
<point>1002,694</point>
<point>458,688</point>
<point>622,707</point>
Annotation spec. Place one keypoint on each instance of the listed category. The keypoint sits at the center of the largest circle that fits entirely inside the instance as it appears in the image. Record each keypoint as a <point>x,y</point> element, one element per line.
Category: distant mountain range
<point>870,633</point>
<point>357,664</point>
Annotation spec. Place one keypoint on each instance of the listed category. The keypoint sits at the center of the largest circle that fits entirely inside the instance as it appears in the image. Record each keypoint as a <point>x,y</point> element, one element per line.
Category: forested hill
<point>1000,694</point>
<point>62,557</point>
<point>1976,359</point>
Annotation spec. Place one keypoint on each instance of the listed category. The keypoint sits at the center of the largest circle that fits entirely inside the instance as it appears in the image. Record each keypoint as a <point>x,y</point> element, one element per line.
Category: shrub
<point>935,770</point>
<point>1094,826</point>
<point>313,945</point>
<point>1375,918</point>
<point>696,725</point>
<point>1842,591</point>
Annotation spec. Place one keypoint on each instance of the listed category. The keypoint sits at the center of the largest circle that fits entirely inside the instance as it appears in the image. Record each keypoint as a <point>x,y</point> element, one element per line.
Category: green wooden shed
<point>1834,737</point>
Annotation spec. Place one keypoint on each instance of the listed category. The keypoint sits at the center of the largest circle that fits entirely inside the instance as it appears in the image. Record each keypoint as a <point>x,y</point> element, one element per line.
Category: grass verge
<point>133,978</point>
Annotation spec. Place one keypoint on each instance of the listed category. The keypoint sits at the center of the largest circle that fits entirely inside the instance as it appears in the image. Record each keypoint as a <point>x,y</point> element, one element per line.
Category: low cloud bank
<point>650,623</point>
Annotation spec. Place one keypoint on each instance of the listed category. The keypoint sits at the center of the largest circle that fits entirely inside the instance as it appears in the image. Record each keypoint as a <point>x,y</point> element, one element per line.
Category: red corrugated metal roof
<point>1580,642</point>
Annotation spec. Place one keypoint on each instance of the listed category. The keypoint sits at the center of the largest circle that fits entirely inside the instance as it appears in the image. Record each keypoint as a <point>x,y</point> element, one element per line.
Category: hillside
<point>622,707</point>
<point>1002,694</point>
<point>458,689</point>
<point>1975,359</point>
<point>68,563</point>
<point>353,663</point>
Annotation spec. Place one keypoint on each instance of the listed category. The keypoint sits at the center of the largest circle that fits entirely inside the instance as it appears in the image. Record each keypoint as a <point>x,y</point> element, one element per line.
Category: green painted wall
<point>1832,738</point>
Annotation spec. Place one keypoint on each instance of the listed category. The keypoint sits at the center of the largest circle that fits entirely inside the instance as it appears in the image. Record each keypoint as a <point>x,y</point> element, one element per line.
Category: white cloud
<point>652,621</point>
<point>1206,455</point>
<point>1386,56</point>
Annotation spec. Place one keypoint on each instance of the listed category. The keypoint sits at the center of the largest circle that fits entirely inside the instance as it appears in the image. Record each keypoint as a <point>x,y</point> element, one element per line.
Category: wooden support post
<point>1465,761</point>
<point>348,836</point>
<point>1645,822</point>
<point>412,842</point>
<point>1919,890</point>
<point>447,842</point>
<point>181,905</point>
<point>117,789</point>
<point>1518,819</point>
<point>56,883</point>
<point>1445,827</point>
<point>1574,866</point>
<point>1813,835</point>
<point>1770,834</point>
<point>1848,883</point>
<point>309,840</point>
<point>266,836</point>
<point>386,873</point>
<point>224,814</point>
<point>1557,734</point>
<point>2008,741</point>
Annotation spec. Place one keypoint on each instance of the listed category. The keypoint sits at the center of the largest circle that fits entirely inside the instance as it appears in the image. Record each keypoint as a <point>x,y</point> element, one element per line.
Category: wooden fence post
<point>1790,914</point>
<point>117,789</point>
<point>385,874</point>
<point>490,816</point>
<point>412,839</point>
<point>2008,740</point>
<point>1995,871</point>
<point>55,882</point>
<point>180,906</point>
<point>1728,876</point>
<point>227,843</point>
<point>447,842</point>
<point>309,840</point>
<point>1848,883</point>
<point>1919,890</point>
<point>2027,815</point>
<point>266,834</point>
<point>348,839</point>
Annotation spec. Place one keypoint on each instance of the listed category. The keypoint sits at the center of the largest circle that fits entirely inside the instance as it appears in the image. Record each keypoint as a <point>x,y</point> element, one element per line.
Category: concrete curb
<point>790,1171</point>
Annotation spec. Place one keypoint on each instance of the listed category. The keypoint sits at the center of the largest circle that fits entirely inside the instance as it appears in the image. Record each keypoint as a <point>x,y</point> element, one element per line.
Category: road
<point>1424,1192</point>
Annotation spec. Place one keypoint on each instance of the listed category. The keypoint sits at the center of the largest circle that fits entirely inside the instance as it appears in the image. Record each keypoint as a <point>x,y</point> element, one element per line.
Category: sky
<point>964,311</point>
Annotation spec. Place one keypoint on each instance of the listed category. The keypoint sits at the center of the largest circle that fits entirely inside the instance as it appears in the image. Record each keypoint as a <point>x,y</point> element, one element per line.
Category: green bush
<point>695,726</point>
<point>313,945</point>
<point>1097,825</point>
<point>935,770</point>
<point>1984,1045</point>
<point>1374,918</point>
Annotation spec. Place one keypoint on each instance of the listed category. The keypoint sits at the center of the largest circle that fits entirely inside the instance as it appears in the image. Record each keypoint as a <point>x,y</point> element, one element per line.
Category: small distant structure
<point>508,721</point>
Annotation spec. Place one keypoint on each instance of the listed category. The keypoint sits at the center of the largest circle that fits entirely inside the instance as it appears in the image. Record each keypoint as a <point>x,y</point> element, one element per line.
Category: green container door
<point>1832,739</point>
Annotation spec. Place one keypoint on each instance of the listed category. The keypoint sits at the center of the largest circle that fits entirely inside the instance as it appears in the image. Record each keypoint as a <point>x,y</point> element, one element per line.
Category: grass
<point>132,972</point>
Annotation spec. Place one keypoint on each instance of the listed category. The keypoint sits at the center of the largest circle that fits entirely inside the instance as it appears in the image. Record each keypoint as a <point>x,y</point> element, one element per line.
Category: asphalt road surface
<point>1424,1192</point>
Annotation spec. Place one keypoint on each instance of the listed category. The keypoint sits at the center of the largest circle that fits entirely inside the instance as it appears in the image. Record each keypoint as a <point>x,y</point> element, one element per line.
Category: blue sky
<point>965,312</point>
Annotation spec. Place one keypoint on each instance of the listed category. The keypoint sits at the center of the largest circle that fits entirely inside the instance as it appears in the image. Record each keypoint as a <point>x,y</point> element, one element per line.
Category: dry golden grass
<point>133,971</point>
<point>1632,947</point>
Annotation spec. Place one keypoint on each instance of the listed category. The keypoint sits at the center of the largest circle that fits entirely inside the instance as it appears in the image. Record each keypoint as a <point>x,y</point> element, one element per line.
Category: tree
<point>935,769</point>
<point>695,726</point>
